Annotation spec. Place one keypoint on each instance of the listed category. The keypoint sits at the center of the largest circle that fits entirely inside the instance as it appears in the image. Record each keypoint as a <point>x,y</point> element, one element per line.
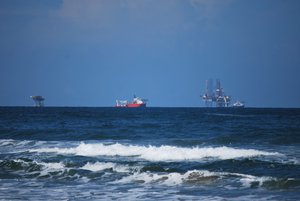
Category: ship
<point>136,102</point>
<point>238,104</point>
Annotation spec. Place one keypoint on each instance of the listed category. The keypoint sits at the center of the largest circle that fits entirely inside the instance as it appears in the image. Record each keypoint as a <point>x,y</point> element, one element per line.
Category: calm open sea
<point>149,154</point>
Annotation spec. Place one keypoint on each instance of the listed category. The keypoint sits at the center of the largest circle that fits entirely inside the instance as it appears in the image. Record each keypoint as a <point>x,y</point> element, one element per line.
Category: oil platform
<point>215,97</point>
<point>38,100</point>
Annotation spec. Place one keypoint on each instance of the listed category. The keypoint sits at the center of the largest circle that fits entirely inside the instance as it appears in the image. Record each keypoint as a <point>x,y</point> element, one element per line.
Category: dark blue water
<point>149,153</point>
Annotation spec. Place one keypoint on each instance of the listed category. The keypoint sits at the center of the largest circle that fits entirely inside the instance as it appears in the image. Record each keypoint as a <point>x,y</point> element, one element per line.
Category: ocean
<point>77,153</point>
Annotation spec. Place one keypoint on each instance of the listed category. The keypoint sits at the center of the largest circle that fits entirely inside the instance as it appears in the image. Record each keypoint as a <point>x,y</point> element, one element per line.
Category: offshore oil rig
<point>215,97</point>
<point>38,100</point>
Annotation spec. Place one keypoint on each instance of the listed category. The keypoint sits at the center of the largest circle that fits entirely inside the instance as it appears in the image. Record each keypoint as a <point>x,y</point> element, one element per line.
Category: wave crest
<point>157,153</point>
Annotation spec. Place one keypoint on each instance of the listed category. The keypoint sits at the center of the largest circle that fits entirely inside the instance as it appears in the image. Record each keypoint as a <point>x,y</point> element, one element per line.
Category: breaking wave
<point>126,174</point>
<point>100,166</point>
<point>195,177</point>
<point>157,153</point>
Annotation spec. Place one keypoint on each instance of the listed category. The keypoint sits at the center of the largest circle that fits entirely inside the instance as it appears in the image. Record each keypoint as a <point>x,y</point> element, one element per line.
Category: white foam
<point>99,166</point>
<point>200,177</point>
<point>6,142</point>
<point>169,179</point>
<point>147,177</point>
<point>161,153</point>
<point>45,167</point>
<point>51,167</point>
<point>247,180</point>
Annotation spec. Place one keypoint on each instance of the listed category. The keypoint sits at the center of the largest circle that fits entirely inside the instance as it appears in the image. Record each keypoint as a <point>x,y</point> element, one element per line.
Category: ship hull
<point>136,105</point>
<point>238,106</point>
<point>133,105</point>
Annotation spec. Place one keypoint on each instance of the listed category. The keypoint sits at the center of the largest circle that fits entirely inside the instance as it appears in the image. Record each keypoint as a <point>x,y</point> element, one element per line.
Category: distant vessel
<point>38,100</point>
<point>137,102</point>
<point>238,104</point>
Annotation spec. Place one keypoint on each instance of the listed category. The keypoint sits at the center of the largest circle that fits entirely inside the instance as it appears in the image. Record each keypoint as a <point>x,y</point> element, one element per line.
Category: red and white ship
<point>137,102</point>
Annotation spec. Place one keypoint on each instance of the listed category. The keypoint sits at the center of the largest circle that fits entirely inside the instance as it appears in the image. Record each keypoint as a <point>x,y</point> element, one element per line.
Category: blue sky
<point>90,53</point>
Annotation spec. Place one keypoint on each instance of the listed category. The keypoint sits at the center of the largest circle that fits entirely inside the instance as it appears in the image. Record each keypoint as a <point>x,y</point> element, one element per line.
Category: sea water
<point>149,153</point>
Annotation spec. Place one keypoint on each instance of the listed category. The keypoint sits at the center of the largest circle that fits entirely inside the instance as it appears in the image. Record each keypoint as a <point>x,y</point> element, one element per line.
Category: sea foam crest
<point>6,142</point>
<point>195,177</point>
<point>100,166</point>
<point>157,153</point>
<point>45,168</point>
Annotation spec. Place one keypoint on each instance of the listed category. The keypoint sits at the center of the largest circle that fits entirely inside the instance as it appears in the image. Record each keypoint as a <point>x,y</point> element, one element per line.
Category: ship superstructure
<point>238,104</point>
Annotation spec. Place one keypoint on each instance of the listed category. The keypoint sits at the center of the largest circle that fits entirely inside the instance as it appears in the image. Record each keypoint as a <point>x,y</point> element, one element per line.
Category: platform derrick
<point>38,100</point>
<point>215,97</point>
<point>208,95</point>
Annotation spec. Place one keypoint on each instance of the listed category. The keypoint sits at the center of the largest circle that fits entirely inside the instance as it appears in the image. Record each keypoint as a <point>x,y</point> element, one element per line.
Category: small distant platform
<point>38,100</point>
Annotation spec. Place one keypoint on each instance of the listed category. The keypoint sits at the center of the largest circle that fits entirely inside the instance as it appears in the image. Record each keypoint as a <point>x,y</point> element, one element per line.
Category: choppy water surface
<point>149,153</point>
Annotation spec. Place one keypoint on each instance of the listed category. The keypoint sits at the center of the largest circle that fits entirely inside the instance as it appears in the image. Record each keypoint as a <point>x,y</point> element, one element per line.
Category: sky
<point>92,52</point>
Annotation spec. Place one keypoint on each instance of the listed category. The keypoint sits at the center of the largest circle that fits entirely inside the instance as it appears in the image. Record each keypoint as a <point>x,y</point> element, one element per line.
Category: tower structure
<point>208,95</point>
<point>216,97</point>
<point>38,100</point>
<point>221,99</point>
